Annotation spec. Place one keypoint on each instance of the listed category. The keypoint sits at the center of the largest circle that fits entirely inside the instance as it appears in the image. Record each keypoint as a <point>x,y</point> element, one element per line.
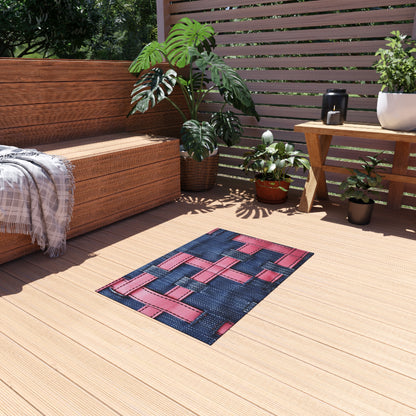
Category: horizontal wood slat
<point>387,176</point>
<point>305,75</point>
<point>57,112</point>
<point>286,17</point>
<point>303,62</point>
<point>32,114</point>
<point>302,113</point>
<point>68,91</point>
<point>337,156</point>
<point>61,70</point>
<point>295,21</point>
<point>307,48</point>
<point>121,205</point>
<point>277,9</point>
<point>299,100</point>
<point>31,136</point>
<point>315,34</point>
<point>110,184</point>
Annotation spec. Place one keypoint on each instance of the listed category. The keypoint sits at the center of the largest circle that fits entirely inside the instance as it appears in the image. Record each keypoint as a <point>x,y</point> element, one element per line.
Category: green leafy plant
<point>189,46</point>
<point>47,28</point>
<point>396,64</point>
<point>271,160</point>
<point>362,183</point>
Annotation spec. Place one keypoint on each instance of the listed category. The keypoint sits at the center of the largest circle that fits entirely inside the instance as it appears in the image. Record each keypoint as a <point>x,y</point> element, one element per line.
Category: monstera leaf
<point>187,34</point>
<point>227,127</point>
<point>229,83</point>
<point>198,139</point>
<point>196,70</point>
<point>150,55</point>
<point>151,88</point>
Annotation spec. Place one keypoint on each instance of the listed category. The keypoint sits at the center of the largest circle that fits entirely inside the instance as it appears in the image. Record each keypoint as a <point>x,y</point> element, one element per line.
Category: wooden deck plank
<point>13,404</point>
<point>349,321</point>
<point>340,392</point>
<point>337,337</point>
<point>49,391</point>
<point>388,383</point>
<point>361,305</point>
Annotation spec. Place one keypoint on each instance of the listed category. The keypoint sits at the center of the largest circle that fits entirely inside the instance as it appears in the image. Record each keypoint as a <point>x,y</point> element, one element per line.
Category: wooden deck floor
<point>338,337</point>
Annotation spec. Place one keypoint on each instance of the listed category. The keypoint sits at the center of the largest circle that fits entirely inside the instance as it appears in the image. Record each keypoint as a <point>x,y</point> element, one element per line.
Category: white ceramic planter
<point>397,111</point>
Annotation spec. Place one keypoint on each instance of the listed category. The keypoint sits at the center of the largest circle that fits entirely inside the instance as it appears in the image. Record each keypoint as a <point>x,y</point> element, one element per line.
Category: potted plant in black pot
<point>396,65</point>
<point>358,188</point>
<point>197,70</point>
<point>270,162</point>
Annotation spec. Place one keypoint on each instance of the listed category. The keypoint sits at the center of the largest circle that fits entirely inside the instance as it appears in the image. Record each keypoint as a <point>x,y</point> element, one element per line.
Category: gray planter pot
<point>359,212</point>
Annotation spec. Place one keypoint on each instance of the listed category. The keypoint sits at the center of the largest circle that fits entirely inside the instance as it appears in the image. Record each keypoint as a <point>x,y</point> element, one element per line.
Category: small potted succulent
<point>358,188</point>
<point>270,162</point>
<point>396,67</point>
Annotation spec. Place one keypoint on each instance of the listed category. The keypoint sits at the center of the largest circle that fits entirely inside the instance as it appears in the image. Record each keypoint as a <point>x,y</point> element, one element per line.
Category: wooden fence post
<point>163,17</point>
<point>414,27</point>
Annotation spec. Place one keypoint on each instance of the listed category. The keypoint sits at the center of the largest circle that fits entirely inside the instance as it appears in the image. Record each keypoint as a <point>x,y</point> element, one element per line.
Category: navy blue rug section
<point>204,287</point>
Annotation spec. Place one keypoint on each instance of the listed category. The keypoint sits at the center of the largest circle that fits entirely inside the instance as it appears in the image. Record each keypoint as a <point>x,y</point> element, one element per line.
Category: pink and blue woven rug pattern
<point>204,287</point>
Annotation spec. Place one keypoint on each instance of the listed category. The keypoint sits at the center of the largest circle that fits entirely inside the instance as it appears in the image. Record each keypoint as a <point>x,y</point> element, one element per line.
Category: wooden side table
<point>318,140</point>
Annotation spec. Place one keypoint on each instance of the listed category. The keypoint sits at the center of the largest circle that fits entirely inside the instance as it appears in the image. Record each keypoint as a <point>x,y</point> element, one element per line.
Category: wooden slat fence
<point>289,53</point>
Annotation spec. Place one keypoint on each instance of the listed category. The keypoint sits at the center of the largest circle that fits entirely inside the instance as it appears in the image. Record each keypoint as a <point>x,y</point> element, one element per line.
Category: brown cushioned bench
<point>117,173</point>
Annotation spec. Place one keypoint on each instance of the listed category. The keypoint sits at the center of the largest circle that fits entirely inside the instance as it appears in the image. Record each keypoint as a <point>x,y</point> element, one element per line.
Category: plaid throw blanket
<point>36,197</point>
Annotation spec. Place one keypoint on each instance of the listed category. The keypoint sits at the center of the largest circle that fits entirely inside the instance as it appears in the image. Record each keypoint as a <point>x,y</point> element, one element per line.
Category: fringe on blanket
<point>70,181</point>
<point>18,228</point>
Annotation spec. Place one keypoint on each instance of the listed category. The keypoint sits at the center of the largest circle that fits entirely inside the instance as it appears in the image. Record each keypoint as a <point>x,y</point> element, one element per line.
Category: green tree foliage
<point>125,26</point>
<point>47,27</point>
<point>94,29</point>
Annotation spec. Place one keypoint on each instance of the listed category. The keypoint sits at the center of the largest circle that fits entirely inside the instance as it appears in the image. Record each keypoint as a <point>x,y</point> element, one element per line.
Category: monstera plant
<point>196,70</point>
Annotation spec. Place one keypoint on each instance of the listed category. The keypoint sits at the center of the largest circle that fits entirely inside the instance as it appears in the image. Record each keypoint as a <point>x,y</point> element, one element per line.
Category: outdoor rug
<point>204,287</point>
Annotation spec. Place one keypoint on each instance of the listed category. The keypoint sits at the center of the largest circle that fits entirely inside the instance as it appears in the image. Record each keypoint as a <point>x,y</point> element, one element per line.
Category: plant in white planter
<point>396,65</point>
<point>358,188</point>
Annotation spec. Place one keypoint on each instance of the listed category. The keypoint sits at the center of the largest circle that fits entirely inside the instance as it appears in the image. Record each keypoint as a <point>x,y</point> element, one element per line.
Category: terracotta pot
<point>359,212</point>
<point>198,176</point>
<point>270,192</point>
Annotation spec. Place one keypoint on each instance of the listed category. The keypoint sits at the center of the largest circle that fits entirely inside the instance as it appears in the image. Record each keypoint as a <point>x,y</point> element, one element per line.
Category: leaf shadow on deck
<point>238,194</point>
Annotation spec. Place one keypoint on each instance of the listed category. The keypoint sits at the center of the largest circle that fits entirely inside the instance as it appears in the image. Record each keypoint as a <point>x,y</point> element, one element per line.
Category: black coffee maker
<point>334,106</point>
